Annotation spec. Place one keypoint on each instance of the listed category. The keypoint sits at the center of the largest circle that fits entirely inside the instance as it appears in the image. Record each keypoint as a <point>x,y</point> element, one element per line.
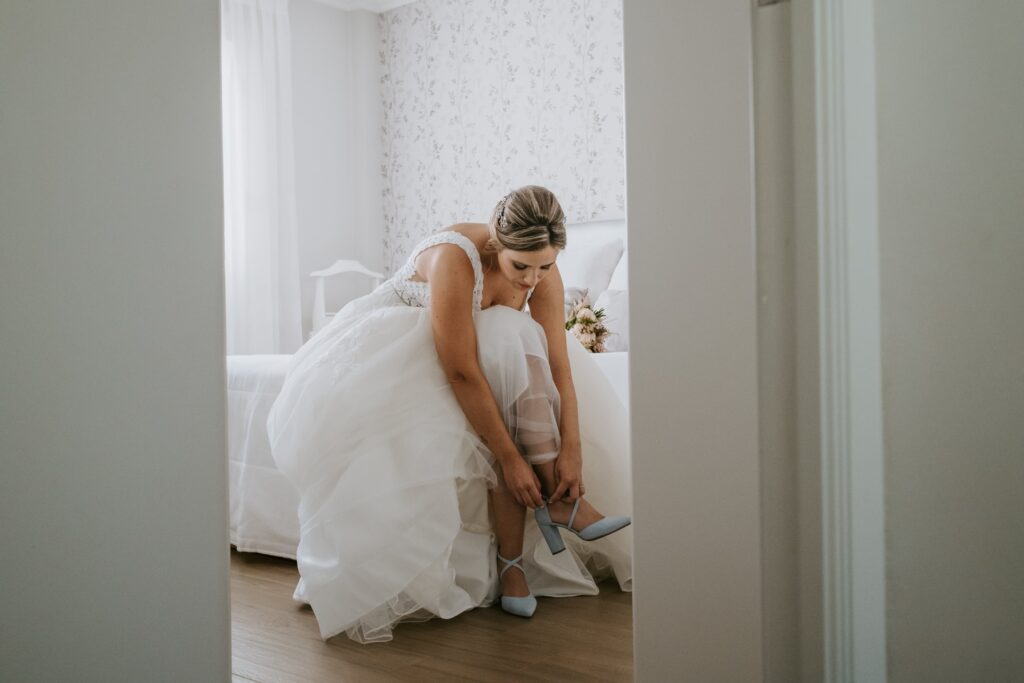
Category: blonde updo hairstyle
<point>527,219</point>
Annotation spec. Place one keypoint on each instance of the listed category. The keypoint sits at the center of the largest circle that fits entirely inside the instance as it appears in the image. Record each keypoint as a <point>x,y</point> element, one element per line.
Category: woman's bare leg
<point>538,438</point>
<point>509,523</point>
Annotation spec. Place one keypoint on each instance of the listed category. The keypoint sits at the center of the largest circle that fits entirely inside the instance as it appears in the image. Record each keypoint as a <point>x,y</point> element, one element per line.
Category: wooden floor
<point>276,640</point>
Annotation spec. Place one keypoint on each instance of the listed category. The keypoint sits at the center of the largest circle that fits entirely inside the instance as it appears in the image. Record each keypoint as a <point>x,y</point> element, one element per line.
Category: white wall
<point>951,175</point>
<point>336,109</point>
<point>112,344</point>
<point>483,97</point>
<point>689,159</point>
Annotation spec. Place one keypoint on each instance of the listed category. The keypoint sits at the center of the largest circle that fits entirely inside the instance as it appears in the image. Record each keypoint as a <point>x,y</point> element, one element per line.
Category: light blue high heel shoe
<point>521,607</point>
<point>599,529</point>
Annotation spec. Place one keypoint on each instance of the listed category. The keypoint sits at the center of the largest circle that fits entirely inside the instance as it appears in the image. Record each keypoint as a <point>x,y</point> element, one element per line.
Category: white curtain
<point>260,236</point>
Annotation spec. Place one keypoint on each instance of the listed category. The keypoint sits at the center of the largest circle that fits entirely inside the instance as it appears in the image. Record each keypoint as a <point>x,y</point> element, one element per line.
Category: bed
<point>263,504</point>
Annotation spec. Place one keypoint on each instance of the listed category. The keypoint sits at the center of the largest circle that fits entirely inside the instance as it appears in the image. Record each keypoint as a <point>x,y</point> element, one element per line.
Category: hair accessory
<point>501,212</point>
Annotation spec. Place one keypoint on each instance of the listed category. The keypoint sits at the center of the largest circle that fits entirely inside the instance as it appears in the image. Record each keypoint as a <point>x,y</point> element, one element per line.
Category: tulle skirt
<point>392,480</point>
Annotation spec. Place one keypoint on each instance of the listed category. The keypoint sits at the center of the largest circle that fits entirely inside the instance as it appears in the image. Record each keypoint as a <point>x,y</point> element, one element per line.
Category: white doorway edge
<point>852,445</point>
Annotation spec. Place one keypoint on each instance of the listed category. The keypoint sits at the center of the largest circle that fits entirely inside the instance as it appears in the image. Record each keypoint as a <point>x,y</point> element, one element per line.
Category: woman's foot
<point>561,511</point>
<point>581,518</point>
<point>513,583</point>
<point>511,601</point>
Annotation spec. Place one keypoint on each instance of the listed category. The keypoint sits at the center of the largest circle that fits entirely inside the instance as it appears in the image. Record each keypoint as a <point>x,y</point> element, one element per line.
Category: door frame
<point>680,630</point>
<point>852,440</point>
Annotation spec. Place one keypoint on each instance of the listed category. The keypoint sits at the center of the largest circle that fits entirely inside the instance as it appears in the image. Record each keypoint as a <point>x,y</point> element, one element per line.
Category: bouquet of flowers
<point>585,323</point>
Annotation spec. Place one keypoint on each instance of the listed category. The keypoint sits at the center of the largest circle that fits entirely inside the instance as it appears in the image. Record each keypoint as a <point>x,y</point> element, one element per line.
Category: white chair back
<point>320,314</point>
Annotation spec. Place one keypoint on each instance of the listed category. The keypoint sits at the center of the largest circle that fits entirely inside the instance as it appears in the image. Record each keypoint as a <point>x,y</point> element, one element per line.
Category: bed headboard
<point>594,232</point>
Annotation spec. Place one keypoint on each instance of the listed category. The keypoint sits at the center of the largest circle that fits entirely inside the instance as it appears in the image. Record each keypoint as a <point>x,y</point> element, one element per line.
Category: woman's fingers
<point>568,487</point>
<point>535,497</point>
<point>529,496</point>
<point>560,489</point>
<point>574,494</point>
<point>525,486</point>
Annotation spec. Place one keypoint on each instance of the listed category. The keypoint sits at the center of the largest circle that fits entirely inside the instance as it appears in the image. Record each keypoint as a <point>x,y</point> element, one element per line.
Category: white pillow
<point>615,303</point>
<point>620,277</point>
<point>589,266</point>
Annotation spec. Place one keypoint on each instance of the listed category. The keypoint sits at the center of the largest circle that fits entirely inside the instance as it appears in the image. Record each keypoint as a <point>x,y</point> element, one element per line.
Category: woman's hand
<point>522,482</point>
<point>569,474</point>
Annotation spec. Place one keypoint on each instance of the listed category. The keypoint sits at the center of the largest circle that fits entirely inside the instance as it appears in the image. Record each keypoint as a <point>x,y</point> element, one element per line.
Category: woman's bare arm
<point>451,279</point>
<point>547,306</point>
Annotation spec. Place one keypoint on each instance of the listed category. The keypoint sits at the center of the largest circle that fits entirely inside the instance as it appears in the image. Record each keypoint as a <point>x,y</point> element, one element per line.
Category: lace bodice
<point>416,293</point>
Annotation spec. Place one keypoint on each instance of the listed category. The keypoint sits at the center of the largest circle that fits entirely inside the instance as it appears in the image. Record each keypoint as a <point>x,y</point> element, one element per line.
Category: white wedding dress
<point>392,479</point>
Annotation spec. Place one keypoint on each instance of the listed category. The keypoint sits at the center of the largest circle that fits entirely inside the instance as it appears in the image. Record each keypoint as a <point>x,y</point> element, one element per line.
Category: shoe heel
<point>553,538</point>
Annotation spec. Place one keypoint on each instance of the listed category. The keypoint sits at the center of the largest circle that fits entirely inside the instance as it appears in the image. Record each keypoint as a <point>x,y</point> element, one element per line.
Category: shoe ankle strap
<point>517,563</point>
<point>572,516</point>
<point>575,509</point>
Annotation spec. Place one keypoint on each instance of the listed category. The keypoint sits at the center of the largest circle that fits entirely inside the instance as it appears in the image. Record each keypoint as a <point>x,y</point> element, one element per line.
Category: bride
<point>427,415</point>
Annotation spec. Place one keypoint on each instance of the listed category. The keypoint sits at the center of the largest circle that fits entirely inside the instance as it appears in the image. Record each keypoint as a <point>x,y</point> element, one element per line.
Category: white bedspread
<point>263,502</point>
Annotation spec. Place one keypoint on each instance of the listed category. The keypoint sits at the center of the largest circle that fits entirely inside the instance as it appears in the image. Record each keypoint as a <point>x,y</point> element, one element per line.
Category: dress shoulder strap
<point>467,245</point>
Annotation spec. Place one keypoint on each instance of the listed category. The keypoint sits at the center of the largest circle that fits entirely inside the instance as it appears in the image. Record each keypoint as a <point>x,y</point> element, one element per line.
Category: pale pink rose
<point>588,339</point>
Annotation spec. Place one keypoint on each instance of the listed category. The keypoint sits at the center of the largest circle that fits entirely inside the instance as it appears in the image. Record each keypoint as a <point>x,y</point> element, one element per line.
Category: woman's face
<point>526,268</point>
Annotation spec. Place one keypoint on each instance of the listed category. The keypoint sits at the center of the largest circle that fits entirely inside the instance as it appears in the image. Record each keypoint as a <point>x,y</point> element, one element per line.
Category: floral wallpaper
<point>481,96</point>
